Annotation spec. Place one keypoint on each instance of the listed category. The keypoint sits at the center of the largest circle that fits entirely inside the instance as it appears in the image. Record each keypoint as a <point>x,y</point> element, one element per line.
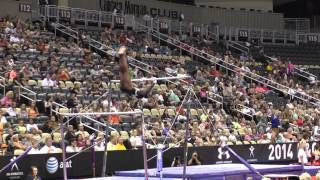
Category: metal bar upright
<point>65,175</point>
<point>105,155</point>
<point>145,163</point>
<point>185,153</point>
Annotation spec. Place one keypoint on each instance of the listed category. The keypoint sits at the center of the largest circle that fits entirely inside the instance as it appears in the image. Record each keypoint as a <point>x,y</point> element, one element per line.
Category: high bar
<point>152,79</point>
<point>102,113</point>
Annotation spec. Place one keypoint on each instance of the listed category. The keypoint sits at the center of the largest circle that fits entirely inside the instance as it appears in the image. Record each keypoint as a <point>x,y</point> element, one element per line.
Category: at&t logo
<point>52,165</point>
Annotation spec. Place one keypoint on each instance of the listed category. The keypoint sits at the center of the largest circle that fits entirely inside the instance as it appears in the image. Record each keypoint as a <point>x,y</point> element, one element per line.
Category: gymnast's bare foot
<point>122,50</point>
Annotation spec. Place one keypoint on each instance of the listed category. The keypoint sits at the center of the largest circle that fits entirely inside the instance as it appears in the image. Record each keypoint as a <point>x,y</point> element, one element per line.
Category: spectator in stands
<point>33,110</point>
<point>21,127</point>
<point>120,145</point>
<point>176,162</point>
<point>135,139</point>
<point>70,134</point>
<point>41,46</point>
<point>198,142</point>
<point>156,130</point>
<point>316,155</point>
<point>63,74</point>
<point>303,152</point>
<point>10,133</point>
<point>71,102</point>
<point>34,148</point>
<point>165,115</point>
<point>114,118</point>
<point>173,98</point>
<point>87,58</point>
<point>73,147</point>
<point>3,119</point>
<point>195,160</point>
<point>48,104</point>
<point>47,127</point>
<point>36,134</point>
<point>305,176</point>
<point>112,144</point>
<point>32,125</point>
<point>23,111</point>
<point>275,122</point>
<point>13,73</point>
<point>8,99</point>
<point>12,110</point>
<point>16,143</point>
<point>100,142</point>
<point>48,147</point>
<point>81,131</point>
<point>81,142</point>
<point>76,89</point>
<point>232,137</point>
<point>47,81</point>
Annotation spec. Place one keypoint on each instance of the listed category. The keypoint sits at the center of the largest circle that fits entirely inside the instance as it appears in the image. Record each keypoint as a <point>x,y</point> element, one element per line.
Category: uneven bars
<point>102,113</point>
<point>152,79</point>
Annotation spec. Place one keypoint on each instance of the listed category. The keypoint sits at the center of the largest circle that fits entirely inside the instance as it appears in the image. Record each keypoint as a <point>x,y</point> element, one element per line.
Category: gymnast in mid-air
<point>126,84</point>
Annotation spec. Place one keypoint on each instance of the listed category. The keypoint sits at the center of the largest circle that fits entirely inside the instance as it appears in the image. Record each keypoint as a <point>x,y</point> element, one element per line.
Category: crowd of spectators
<point>64,71</point>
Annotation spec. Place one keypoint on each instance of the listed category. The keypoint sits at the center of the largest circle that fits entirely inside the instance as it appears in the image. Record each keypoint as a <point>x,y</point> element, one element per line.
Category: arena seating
<point>303,54</point>
<point>60,71</point>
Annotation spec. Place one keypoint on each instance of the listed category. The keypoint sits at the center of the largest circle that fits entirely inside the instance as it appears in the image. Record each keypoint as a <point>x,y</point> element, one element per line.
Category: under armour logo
<point>15,164</point>
<point>223,153</point>
<point>251,149</point>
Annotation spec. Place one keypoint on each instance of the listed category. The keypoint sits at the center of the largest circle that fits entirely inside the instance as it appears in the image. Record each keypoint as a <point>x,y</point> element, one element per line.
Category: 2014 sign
<point>280,152</point>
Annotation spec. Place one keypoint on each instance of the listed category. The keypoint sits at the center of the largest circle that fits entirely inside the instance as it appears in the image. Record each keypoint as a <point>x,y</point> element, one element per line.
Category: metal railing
<point>3,84</point>
<point>245,110</point>
<point>297,24</point>
<point>215,98</point>
<point>66,30</point>
<point>27,93</point>
<point>236,45</point>
<point>218,61</point>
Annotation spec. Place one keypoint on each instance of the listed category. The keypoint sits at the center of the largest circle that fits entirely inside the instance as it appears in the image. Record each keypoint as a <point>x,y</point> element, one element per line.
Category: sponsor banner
<point>51,167</point>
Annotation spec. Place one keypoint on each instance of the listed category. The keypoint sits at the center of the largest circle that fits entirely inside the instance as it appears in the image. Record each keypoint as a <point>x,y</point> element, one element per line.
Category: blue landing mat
<point>221,171</point>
